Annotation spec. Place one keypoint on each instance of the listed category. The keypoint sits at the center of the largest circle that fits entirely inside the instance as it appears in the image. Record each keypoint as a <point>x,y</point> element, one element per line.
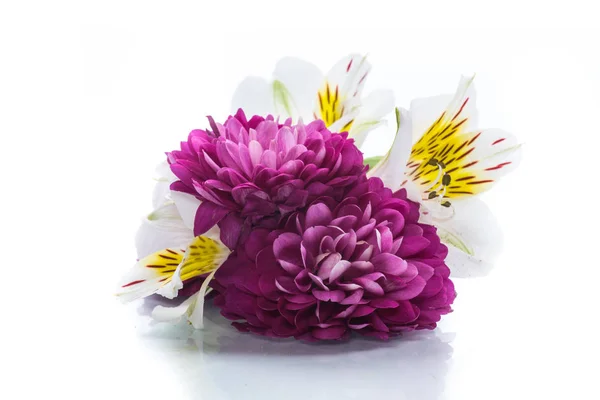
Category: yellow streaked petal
<point>340,93</point>
<point>164,270</point>
<point>204,256</point>
<point>330,104</point>
<point>452,159</point>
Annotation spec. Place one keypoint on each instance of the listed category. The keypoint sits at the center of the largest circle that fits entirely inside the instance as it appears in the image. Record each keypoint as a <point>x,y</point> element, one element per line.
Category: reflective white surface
<point>484,350</point>
<point>477,352</point>
<point>220,363</point>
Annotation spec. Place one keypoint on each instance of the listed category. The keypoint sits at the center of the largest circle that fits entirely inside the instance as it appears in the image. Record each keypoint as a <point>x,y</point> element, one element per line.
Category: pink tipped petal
<point>377,323</point>
<point>387,240</point>
<point>207,216</point>
<point>327,265</point>
<point>366,254</point>
<point>329,295</point>
<point>433,287</point>
<point>347,312</point>
<point>268,288</point>
<point>285,140</point>
<point>354,298</point>
<point>362,310</point>
<point>303,281</point>
<point>255,151</point>
<point>396,245</point>
<point>370,286</point>
<point>318,281</point>
<point>289,267</point>
<point>286,284</point>
<point>389,264</point>
<point>346,222</point>
<point>358,327</point>
<point>332,333</point>
<point>286,246</point>
<point>230,228</point>
<point>338,269</point>
<point>349,287</point>
<point>301,298</point>
<point>374,276</point>
<point>425,271</point>
<point>269,159</point>
<point>412,245</point>
<point>318,214</point>
<point>412,290</point>
<point>246,161</point>
<point>383,303</point>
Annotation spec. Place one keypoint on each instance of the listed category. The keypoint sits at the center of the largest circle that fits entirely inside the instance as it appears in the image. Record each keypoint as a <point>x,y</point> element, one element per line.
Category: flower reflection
<point>219,362</point>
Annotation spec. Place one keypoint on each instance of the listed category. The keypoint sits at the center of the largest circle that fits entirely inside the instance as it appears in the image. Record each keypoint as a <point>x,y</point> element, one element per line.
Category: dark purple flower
<point>253,173</point>
<point>362,264</point>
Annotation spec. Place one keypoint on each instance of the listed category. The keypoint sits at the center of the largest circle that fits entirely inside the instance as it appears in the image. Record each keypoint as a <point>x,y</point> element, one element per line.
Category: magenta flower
<point>363,264</point>
<point>252,173</point>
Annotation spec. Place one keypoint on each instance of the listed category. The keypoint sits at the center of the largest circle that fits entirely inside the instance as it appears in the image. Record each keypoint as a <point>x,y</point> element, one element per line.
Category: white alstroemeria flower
<point>444,160</point>
<point>169,254</point>
<point>300,90</point>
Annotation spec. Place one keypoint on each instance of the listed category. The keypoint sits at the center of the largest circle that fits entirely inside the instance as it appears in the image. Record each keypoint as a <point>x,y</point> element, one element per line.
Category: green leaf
<point>372,161</point>
<point>397,110</point>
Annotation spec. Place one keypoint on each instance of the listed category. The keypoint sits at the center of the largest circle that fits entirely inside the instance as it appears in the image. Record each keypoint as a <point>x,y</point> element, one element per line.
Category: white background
<point>93,93</point>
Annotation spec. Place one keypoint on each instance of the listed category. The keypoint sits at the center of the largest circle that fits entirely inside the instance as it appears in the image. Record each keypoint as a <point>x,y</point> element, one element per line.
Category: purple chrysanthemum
<point>252,173</point>
<point>363,264</point>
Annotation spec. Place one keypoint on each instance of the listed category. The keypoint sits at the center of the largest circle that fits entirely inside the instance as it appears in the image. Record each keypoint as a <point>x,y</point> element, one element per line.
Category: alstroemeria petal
<point>196,310</point>
<point>187,205</point>
<point>425,111</point>
<point>339,95</point>
<point>164,178</point>
<point>162,313</point>
<point>453,159</point>
<point>149,274</point>
<point>295,86</point>
<point>374,107</point>
<point>497,153</point>
<point>391,167</point>
<point>473,237</point>
<point>155,273</point>
<point>255,96</point>
<point>161,229</point>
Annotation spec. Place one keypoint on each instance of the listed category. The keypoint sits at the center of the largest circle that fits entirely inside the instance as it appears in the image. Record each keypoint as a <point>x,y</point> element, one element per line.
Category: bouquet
<point>275,215</point>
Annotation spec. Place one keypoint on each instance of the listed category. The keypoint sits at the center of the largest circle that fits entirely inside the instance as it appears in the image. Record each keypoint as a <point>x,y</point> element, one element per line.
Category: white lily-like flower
<point>169,254</point>
<point>444,160</point>
<point>300,90</point>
